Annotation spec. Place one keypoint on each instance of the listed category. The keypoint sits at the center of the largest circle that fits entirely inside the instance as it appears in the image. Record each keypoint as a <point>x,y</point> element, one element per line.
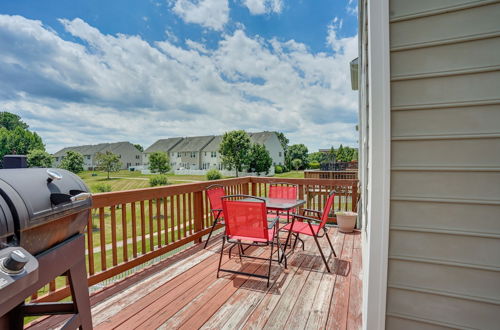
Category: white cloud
<point>352,7</point>
<point>211,14</point>
<point>121,87</point>
<point>259,7</point>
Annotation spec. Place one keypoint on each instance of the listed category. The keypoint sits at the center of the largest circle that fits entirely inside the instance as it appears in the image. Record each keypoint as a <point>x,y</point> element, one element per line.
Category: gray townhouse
<point>201,153</point>
<point>129,155</point>
<point>186,155</point>
<point>162,145</point>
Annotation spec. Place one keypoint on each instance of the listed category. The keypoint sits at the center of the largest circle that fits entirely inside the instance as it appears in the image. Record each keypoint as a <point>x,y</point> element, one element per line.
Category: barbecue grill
<point>43,215</point>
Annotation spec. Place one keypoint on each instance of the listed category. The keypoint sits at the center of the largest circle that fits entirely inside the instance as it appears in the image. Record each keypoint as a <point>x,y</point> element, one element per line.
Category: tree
<point>296,164</point>
<point>108,162</point>
<point>297,151</point>
<point>39,158</point>
<point>284,144</point>
<point>10,121</point>
<point>73,161</point>
<point>316,157</point>
<point>139,147</point>
<point>259,159</point>
<point>159,162</point>
<point>341,154</point>
<point>234,149</point>
<point>18,141</point>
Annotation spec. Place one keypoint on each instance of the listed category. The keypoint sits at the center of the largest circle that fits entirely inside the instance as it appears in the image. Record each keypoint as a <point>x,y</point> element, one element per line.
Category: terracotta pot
<point>347,221</point>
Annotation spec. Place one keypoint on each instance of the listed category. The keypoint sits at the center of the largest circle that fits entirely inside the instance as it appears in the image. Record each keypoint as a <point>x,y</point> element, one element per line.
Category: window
<point>87,156</point>
<point>193,154</point>
<point>214,154</point>
<point>279,153</point>
<point>205,153</point>
<point>57,159</point>
<point>178,154</point>
<point>137,156</point>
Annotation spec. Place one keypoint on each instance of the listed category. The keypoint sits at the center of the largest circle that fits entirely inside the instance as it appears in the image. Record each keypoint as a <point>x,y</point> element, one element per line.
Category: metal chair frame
<point>216,212</point>
<point>315,235</point>
<point>241,243</point>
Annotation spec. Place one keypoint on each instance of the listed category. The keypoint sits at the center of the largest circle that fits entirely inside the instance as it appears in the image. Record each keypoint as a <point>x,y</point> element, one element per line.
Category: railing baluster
<point>172,220</point>
<point>124,232</point>
<point>165,219</point>
<point>90,243</point>
<point>158,221</point>
<point>134,230</point>
<point>102,234</point>
<point>113,235</point>
<point>151,228</point>
<point>178,214</point>
<point>184,218</point>
<point>190,217</point>
<point>143,228</point>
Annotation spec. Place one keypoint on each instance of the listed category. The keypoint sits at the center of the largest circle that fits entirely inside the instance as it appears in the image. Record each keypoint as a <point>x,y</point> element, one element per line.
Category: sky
<point>92,71</point>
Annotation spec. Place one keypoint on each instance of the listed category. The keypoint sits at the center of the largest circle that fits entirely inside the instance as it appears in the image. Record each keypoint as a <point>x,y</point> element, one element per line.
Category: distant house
<point>186,155</point>
<point>272,143</point>
<point>201,153</point>
<point>129,155</point>
<point>163,145</point>
<point>211,157</point>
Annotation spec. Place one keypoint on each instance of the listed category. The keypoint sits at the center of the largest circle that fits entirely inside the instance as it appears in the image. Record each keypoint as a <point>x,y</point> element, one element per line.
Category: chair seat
<point>302,228</point>
<point>253,239</point>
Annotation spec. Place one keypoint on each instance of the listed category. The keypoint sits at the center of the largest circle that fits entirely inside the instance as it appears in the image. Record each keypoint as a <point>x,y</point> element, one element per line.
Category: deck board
<point>188,295</point>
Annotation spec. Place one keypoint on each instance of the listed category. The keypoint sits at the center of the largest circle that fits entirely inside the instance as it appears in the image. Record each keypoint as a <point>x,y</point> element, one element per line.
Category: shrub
<point>101,187</point>
<point>213,174</point>
<point>278,169</point>
<point>314,165</point>
<point>158,180</point>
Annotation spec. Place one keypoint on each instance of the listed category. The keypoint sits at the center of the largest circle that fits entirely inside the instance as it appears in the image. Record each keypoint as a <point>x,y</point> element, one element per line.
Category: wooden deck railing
<point>129,228</point>
<point>333,175</point>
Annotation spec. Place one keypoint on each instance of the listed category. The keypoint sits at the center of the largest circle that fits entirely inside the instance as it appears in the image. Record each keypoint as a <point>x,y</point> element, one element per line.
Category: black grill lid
<point>28,193</point>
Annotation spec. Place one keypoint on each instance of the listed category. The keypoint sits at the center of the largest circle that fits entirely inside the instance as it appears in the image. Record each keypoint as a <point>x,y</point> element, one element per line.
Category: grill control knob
<point>15,261</point>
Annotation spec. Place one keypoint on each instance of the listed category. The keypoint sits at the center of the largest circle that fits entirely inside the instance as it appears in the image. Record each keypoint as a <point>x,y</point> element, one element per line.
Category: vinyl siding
<point>444,242</point>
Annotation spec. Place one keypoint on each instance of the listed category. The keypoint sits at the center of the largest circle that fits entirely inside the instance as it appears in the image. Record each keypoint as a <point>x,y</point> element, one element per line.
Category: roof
<point>164,145</point>
<point>261,137</point>
<point>214,144</point>
<point>193,143</point>
<point>91,149</point>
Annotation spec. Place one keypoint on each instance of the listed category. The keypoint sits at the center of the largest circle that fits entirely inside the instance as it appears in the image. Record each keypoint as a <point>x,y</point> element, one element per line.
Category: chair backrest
<point>215,192</point>
<point>283,190</point>
<point>328,207</point>
<point>245,218</point>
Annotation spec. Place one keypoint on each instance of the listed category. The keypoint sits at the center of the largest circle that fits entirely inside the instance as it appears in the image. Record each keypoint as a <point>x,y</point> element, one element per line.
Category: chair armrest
<point>272,223</point>
<point>305,218</point>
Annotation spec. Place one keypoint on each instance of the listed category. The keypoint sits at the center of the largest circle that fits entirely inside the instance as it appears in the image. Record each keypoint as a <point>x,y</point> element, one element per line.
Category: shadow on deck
<point>184,292</point>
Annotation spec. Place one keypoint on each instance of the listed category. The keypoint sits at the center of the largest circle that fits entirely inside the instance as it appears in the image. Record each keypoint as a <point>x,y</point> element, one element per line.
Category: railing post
<point>198,212</point>
<point>245,188</point>
<point>254,188</point>
<point>301,196</point>
<point>354,204</point>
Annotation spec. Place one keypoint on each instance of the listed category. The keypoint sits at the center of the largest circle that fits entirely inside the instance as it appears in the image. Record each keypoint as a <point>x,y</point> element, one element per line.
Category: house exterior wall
<point>275,149</point>
<point>129,155</point>
<point>444,238</point>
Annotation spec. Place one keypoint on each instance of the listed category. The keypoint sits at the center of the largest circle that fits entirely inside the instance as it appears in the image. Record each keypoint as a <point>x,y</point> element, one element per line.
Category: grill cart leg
<point>67,258</point>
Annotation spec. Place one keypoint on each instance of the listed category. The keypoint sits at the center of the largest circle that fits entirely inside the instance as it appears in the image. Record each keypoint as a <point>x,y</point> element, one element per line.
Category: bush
<point>213,174</point>
<point>314,165</point>
<point>278,169</point>
<point>101,187</point>
<point>158,180</point>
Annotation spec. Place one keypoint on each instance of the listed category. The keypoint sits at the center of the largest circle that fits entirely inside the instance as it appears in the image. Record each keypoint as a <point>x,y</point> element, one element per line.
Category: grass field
<point>127,180</point>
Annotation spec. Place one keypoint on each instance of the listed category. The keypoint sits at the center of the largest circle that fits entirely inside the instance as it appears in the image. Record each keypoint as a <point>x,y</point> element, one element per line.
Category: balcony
<point>147,268</point>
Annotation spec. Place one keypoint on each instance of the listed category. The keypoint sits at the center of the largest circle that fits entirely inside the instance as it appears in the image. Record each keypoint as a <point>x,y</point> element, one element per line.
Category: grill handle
<point>80,197</point>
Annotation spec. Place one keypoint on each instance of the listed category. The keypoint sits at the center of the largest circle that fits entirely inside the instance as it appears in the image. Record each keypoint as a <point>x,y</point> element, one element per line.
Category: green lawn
<point>291,174</point>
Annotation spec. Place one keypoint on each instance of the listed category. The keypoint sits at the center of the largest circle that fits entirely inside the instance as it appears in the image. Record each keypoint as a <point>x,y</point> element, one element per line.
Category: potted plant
<point>346,220</point>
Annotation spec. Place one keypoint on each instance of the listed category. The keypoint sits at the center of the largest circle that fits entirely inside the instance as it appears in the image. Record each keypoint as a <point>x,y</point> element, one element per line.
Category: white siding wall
<point>444,246</point>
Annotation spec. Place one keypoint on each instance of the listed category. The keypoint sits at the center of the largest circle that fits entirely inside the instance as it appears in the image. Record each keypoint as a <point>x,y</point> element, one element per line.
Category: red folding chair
<point>247,224</point>
<point>302,224</point>
<point>215,192</point>
<point>286,191</point>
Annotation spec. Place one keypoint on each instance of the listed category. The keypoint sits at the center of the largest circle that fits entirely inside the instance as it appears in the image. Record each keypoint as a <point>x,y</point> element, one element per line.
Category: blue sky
<point>92,71</point>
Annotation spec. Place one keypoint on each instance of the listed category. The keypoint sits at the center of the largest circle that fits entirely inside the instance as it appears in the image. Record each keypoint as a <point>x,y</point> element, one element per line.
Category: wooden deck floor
<point>188,295</point>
